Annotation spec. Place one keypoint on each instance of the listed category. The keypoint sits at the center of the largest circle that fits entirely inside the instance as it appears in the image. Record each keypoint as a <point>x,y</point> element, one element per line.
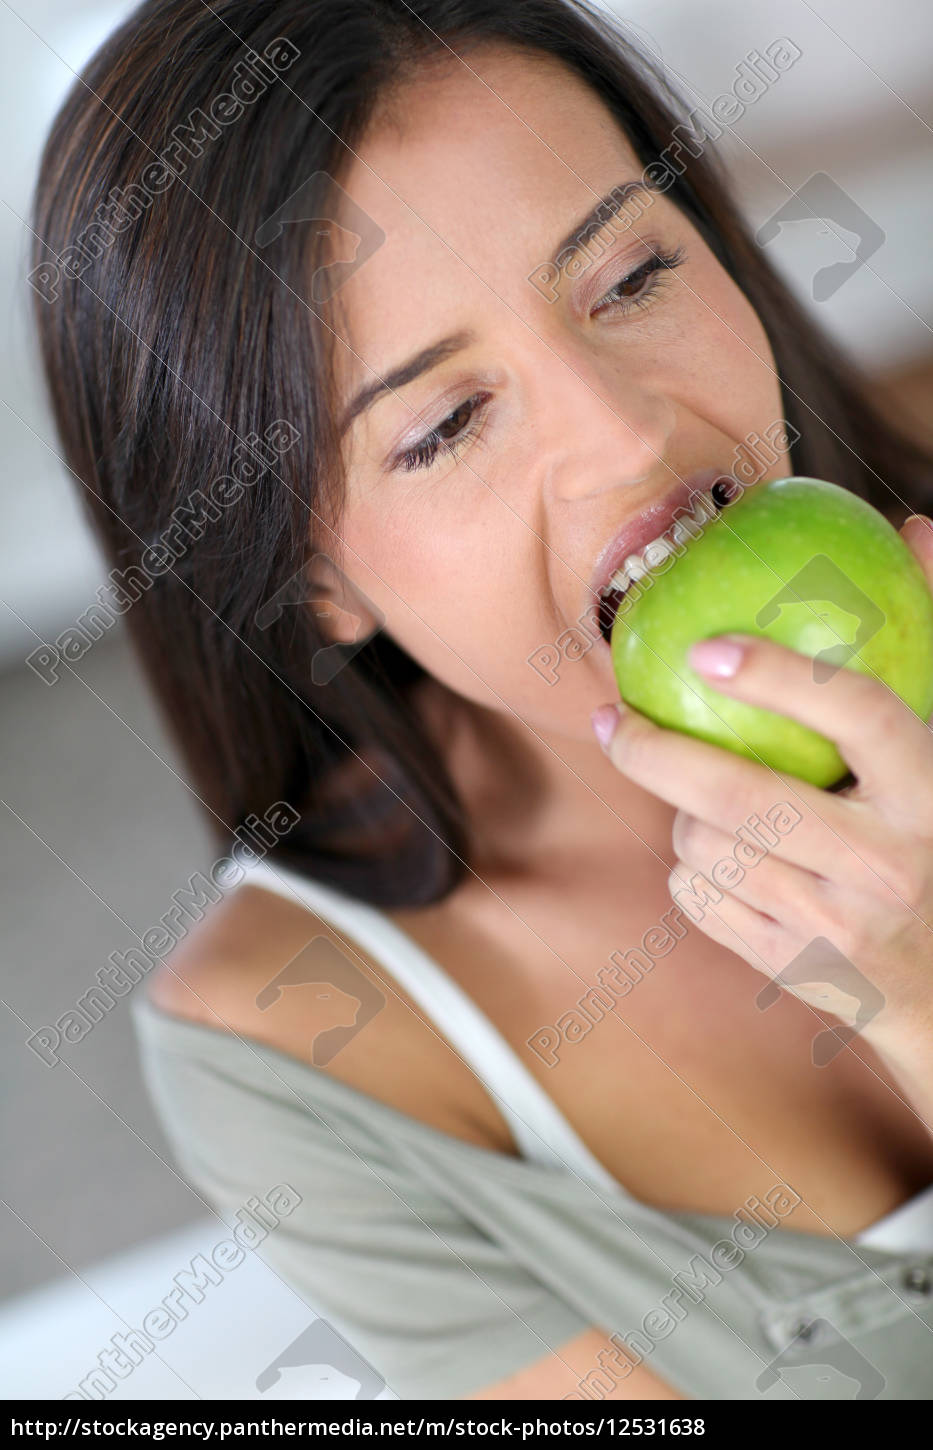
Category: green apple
<point>805,563</point>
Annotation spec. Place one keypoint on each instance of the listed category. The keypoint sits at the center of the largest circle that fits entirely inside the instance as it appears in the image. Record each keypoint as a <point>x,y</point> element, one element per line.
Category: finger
<point>917,534</point>
<point>738,927</point>
<point>737,795</point>
<point>785,892</point>
<point>887,746</point>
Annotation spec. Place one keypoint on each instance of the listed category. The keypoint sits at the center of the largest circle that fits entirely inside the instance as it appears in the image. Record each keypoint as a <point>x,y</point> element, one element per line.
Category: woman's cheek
<point>727,345</point>
<point>472,634</point>
<point>430,602</point>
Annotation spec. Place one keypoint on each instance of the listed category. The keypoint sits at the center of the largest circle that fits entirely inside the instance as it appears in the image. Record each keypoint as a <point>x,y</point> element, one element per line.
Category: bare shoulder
<point>269,970</point>
<point>218,970</point>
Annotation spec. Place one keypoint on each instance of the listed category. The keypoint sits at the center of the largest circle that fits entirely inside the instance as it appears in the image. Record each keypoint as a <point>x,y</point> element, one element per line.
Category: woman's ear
<point>342,611</point>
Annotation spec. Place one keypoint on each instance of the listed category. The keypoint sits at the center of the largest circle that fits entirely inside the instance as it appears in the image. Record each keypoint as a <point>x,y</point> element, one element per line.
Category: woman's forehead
<point>473,187</point>
<point>507,136</point>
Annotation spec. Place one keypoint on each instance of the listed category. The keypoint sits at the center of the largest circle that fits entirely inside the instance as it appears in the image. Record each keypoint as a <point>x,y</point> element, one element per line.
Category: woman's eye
<point>636,288</point>
<point>456,430</point>
<point>451,436</point>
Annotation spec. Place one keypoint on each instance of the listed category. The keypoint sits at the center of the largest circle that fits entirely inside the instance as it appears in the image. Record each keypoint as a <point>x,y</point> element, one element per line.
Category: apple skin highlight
<point>780,562</point>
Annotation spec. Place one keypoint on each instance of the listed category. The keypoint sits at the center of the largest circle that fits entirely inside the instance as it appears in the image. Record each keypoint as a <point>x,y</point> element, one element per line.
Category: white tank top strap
<point>540,1130</point>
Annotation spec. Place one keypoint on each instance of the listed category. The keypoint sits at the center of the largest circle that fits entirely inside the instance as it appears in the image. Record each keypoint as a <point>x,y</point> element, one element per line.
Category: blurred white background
<point>98,829</point>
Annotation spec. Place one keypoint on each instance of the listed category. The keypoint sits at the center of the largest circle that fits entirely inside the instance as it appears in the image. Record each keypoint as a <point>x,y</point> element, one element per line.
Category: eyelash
<point>654,268</point>
<point>424,453</point>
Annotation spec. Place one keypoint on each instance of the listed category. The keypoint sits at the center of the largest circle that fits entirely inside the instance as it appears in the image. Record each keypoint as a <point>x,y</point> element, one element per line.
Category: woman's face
<point>573,406</point>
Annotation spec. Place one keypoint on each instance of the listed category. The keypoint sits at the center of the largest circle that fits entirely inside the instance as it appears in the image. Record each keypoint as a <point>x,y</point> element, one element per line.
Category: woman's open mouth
<point>688,522</point>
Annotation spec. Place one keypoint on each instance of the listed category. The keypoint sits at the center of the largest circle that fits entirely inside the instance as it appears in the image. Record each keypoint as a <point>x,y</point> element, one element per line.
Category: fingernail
<point>719,657</point>
<point>605,720</point>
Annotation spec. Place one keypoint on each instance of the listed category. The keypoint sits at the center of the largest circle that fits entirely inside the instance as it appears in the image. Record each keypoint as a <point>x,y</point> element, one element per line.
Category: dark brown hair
<point>176,344</point>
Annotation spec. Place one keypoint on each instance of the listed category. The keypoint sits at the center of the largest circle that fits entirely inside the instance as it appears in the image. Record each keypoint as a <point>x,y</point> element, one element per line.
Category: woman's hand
<point>844,895</point>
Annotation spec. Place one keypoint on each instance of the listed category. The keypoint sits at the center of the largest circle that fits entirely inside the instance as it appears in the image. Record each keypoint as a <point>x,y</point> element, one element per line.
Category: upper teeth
<point>636,566</point>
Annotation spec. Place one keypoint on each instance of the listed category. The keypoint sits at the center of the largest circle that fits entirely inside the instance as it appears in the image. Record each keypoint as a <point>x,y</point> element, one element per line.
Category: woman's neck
<point>530,795</point>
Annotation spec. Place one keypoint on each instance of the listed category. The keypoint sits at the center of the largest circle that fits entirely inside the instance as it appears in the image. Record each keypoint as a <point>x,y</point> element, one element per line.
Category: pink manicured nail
<point>719,657</point>
<point>920,525</point>
<point>605,720</point>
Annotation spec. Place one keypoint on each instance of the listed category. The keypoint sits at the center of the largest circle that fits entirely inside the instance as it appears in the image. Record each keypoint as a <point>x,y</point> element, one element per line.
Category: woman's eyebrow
<point>438,352</point>
<point>595,220</point>
<point>406,372</point>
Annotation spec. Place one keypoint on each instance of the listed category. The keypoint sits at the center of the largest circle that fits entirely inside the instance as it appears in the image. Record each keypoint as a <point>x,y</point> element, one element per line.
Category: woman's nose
<point>600,430</point>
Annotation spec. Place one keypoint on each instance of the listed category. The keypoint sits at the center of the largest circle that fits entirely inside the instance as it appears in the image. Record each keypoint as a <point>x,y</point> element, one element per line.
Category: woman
<point>528,1167</point>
